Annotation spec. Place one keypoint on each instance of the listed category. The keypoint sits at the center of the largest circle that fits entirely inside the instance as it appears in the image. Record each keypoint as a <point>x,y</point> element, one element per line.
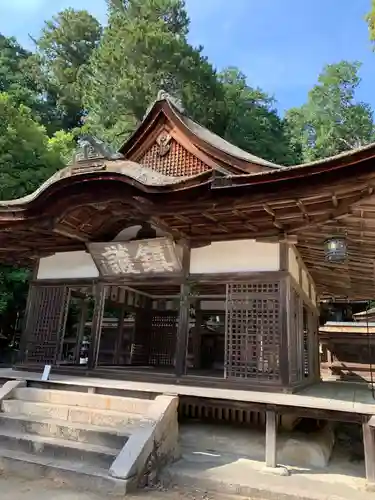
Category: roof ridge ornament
<point>92,148</point>
<point>163,95</point>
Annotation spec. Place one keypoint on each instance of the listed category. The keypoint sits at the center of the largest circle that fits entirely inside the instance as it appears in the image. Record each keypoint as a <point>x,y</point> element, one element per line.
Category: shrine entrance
<point>132,315</point>
<point>150,311</point>
<point>102,325</point>
<point>136,329</point>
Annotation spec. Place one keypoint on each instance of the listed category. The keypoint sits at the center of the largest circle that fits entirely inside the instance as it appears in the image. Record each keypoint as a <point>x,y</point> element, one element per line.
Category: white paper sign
<point>46,372</point>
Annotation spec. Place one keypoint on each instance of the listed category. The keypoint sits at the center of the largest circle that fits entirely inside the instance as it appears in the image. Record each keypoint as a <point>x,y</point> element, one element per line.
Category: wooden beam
<point>335,202</point>
<point>301,206</point>
<point>73,235</point>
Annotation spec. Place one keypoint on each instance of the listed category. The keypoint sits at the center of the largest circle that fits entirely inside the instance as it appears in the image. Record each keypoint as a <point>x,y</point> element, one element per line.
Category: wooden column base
<point>369,448</point>
<point>271,439</point>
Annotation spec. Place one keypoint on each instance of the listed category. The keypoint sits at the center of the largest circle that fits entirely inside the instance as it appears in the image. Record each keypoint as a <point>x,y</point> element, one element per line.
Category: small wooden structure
<point>348,349</point>
<point>365,316</point>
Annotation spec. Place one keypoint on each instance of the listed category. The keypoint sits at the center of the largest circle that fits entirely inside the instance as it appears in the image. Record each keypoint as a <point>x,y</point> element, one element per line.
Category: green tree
<point>28,157</point>
<point>63,51</point>
<point>370,18</point>
<point>144,49</point>
<point>12,61</point>
<point>251,121</point>
<point>332,120</point>
<point>17,78</point>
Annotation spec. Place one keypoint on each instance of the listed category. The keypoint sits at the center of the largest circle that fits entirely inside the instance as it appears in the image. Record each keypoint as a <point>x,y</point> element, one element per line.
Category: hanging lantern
<point>335,249</point>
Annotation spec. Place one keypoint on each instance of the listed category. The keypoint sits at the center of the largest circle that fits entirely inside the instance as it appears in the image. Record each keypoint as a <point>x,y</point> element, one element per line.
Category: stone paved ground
<point>15,488</point>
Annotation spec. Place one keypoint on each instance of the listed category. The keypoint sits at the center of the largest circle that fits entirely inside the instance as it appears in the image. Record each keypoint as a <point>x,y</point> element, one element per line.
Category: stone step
<point>83,399</point>
<point>76,475</point>
<point>83,433</point>
<point>75,414</point>
<point>55,448</point>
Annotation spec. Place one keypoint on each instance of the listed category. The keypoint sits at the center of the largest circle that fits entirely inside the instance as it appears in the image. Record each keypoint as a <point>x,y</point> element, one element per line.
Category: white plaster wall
<point>313,294</point>
<point>293,264</point>
<point>305,283</point>
<point>235,256</point>
<point>67,265</point>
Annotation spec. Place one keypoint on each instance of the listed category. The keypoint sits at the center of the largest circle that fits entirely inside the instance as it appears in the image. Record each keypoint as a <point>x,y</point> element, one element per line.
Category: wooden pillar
<point>119,335</point>
<point>96,327</point>
<point>329,354</point>
<point>22,354</point>
<point>313,344</point>
<point>300,341</point>
<point>81,330</point>
<point>184,316</point>
<point>369,449</point>
<point>142,335</point>
<point>197,334</point>
<point>285,311</point>
<point>271,439</point>
<point>316,347</point>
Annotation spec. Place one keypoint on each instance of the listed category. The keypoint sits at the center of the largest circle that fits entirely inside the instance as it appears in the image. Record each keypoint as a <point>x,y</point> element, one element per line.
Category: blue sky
<point>281,45</point>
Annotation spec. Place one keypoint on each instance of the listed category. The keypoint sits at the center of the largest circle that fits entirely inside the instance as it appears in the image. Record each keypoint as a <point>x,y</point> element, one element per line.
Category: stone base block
<point>308,450</point>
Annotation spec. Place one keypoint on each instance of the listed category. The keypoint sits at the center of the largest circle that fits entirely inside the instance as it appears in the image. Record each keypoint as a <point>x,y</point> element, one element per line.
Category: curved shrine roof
<point>220,192</point>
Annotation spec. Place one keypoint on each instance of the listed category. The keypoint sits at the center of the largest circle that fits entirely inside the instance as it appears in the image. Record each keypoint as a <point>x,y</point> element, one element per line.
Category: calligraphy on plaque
<point>139,257</point>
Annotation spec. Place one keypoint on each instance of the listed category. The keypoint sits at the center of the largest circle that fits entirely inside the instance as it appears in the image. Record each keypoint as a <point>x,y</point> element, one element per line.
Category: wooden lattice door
<point>45,323</point>
<point>252,331</point>
<point>163,338</point>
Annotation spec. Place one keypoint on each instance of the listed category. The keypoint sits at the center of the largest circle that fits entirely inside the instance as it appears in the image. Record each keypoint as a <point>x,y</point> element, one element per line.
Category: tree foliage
<point>64,50</point>
<point>370,18</point>
<point>332,120</point>
<point>17,78</point>
<point>28,156</point>
<point>143,50</point>
<point>251,120</point>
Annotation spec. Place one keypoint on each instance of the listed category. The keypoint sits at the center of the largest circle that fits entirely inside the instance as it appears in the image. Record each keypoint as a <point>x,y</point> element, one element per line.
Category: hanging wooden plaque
<point>157,256</point>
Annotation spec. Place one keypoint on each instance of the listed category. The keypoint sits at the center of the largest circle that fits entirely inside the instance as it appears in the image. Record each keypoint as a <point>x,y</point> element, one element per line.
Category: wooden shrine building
<point>182,256</point>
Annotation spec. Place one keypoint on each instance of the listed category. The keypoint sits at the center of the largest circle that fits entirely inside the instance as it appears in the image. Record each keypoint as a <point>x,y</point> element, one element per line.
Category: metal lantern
<point>335,249</point>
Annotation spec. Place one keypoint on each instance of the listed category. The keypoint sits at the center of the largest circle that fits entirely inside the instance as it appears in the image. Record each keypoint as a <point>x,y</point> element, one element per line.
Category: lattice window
<point>163,338</point>
<point>48,307</point>
<point>177,162</point>
<point>253,321</point>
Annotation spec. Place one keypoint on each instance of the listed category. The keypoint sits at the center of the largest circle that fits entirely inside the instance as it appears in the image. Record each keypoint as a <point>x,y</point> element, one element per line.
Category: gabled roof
<point>222,145</point>
<point>227,155</point>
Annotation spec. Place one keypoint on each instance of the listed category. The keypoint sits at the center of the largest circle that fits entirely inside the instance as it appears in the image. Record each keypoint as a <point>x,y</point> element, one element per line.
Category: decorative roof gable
<point>166,117</point>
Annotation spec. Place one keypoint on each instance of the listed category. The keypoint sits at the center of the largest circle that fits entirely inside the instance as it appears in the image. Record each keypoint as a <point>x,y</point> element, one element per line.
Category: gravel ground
<point>16,488</point>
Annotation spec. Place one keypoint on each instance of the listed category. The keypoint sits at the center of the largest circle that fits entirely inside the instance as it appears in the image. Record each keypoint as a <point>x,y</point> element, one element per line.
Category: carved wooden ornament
<point>164,143</point>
